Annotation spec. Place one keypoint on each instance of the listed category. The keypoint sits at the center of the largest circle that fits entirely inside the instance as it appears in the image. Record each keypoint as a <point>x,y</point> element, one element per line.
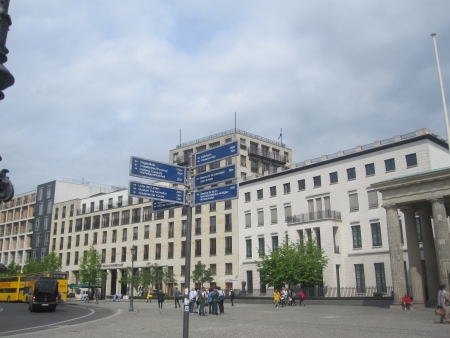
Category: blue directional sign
<point>160,205</point>
<point>155,192</point>
<point>215,176</point>
<point>216,154</point>
<point>140,167</point>
<point>227,192</point>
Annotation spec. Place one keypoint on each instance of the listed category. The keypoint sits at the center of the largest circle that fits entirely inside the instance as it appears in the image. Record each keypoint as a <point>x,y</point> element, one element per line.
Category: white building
<point>331,198</point>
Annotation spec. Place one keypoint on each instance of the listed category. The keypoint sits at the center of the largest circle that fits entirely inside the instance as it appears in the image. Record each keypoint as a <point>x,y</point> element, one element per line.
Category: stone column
<point>429,253</point>
<point>415,262</point>
<point>441,239</point>
<point>395,253</point>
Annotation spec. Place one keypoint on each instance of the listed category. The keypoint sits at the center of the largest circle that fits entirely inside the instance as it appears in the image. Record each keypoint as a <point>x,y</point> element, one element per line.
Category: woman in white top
<point>442,302</point>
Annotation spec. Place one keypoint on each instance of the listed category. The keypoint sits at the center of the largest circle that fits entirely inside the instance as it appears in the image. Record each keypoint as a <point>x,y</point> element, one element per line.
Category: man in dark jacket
<point>215,300</point>
<point>232,297</point>
<point>160,299</point>
<point>176,297</point>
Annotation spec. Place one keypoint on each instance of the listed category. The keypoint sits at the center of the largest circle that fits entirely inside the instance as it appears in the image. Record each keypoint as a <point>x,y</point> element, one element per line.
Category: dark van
<point>44,295</point>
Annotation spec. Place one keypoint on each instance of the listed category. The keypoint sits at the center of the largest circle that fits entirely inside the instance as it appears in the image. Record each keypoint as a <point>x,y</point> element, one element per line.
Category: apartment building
<point>16,228</point>
<point>331,199</point>
<point>114,222</point>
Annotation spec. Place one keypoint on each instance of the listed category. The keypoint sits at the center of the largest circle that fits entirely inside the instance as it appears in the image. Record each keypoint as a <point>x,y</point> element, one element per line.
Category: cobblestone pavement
<point>250,320</point>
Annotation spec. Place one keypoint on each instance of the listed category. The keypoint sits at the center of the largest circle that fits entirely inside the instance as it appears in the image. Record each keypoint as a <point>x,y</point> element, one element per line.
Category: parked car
<point>44,295</point>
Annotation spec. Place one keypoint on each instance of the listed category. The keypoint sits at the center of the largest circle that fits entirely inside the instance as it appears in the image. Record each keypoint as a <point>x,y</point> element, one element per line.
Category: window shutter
<point>273,216</point>
<point>287,212</point>
<point>261,217</point>
<point>373,199</point>
<point>248,220</point>
<point>354,205</point>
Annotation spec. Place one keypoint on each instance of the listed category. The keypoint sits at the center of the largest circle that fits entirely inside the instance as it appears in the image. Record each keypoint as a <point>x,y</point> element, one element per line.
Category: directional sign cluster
<point>155,192</point>
<point>227,192</point>
<point>215,176</point>
<point>141,167</point>
<point>216,154</point>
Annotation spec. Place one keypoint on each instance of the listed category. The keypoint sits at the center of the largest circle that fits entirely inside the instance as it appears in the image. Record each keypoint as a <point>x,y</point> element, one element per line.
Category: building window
<point>198,209</point>
<point>248,246</point>
<point>183,249</point>
<point>86,239</point>
<point>334,177</point>
<point>228,204</point>
<point>94,241</point>
<point>124,254</point>
<point>228,268</point>
<point>40,193</point>
<point>419,229</point>
<point>146,252</point>
<point>351,173</point>
<point>147,232</point>
<point>273,191</point>
<point>354,205</point>
<point>376,234</point>
<point>260,217</point>
<point>41,208</point>
<point>360,281</point>
<point>373,199</point>
<point>356,235</point>
<point>261,247</point>
<point>228,222</point>
<point>198,226</point>
<point>45,223</point>
<point>158,251</point>
<point>228,245</point>
<point>171,213</point>
<point>49,191</point>
<point>170,251</point>
<point>401,231</point>
<point>380,277</point>
<point>254,166</point>
<point>212,224</point>
<point>212,246</point>
<point>317,181</point>
<point>411,160</point>
<point>247,197</point>
<point>183,228</point>
<point>104,237</point>
<point>301,185</point>
<point>370,169</point>
<point>171,229</point>
<point>114,236</point>
<point>198,247</point>
<point>243,161</point>
<point>248,220</point>
<point>158,230</point>
<point>183,270</point>
<point>273,216</point>
<point>212,206</point>
<point>287,188</point>
<point>390,164</point>
<point>274,243</point>
<point>259,194</point>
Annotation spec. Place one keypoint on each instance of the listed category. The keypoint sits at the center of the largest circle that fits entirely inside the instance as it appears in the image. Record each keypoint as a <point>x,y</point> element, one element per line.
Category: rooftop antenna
<point>180,137</point>
<point>235,122</point>
<point>442,88</point>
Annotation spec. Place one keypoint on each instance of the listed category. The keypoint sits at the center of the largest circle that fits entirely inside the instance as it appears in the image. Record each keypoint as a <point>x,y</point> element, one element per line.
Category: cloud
<point>96,84</point>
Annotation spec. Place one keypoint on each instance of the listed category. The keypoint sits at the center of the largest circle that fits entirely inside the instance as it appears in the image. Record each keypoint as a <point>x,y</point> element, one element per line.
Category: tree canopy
<point>293,263</point>
<point>51,263</point>
<point>201,274</point>
<point>89,272</point>
<point>12,269</point>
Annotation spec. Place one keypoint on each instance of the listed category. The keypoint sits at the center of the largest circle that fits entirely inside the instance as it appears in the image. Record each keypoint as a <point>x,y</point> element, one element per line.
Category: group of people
<point>287,297</point>
<point>442,303</point>
<point>202,298</point>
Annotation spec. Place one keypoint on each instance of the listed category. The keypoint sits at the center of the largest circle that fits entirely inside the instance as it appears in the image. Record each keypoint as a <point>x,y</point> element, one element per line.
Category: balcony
<point>266,155</point>
<point>125,220</point>
<point>314,216</point>
<point>105,223</point>
<point>136,219</point>
<point>96,225</point>
<point>115,222</point>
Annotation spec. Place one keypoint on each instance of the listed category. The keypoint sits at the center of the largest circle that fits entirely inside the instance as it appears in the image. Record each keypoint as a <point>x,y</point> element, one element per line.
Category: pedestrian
<point>276,298</point>
<point>283,298</point>
<point>232,297</point>
<point>407,302</point>
<point>149,296</point>
<point>201,300</point>
<point>176,297</point>
<point>160,299</point>
<point>301,297</point>
<point>192,296</point>
<point>221,294</point>
<point>210,302</point>
<point>293,298</point>
<point>442,303</point>
<point>215,300</point>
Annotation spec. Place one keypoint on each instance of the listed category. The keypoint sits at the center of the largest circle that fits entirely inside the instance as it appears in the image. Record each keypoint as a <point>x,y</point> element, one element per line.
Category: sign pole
<point>187,266</point>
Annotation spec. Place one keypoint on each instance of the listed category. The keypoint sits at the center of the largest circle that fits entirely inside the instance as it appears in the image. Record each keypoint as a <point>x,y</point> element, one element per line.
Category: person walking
<point>442,303</point>
<point>176,297</point>
<point>293,298</point>
<point>192,296</point>
<point>149,296</point>
<point>232,297</point>
<point>221,294</point>
<point>301,297</point>
<point>160,299</point>
<point>276,298</point>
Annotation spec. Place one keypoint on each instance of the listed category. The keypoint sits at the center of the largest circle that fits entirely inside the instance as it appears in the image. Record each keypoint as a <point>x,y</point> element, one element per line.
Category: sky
<point>100,81</point>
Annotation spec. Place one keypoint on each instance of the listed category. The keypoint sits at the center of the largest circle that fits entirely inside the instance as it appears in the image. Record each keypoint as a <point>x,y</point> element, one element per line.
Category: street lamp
<point>133,255</point>
<point>98,280</point>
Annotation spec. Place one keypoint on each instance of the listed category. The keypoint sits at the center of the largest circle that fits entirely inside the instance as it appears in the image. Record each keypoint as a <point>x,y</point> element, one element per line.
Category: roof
<point>414,175</point>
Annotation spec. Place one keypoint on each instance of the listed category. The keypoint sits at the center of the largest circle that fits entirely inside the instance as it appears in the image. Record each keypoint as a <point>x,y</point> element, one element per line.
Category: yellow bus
<point>18,288</point>
<point>12,288</point>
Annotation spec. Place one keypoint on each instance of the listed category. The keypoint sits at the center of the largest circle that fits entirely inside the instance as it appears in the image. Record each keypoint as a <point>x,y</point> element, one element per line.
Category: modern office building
<point>114,222</point>
<point>332,199</point>
<point>16,228</point>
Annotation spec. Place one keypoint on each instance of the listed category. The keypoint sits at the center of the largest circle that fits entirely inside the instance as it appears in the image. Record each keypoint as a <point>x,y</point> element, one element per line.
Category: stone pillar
<point>395,253</point>
<point>429,253</point>
<point>441,239</point>
<point>415,262</point>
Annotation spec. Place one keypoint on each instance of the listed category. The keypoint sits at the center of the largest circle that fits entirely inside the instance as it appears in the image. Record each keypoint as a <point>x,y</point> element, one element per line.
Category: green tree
<point>89,272</point>
<point>51,263</point>
<point>32,267</point>
<point>201,274</point>
<point>168,277</point>
<point>293,263</point>
<point>13,269</point>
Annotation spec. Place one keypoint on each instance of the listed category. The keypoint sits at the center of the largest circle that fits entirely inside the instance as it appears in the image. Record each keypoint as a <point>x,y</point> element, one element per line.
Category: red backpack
<point>301,294</point>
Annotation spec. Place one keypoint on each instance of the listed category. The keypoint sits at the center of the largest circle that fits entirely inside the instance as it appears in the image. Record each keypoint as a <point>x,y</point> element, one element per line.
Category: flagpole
<point>442,89</point>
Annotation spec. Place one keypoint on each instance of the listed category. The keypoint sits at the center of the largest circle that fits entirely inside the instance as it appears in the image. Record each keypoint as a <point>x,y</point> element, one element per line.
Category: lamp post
<point>133,255</point>
<point>98,280</point>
